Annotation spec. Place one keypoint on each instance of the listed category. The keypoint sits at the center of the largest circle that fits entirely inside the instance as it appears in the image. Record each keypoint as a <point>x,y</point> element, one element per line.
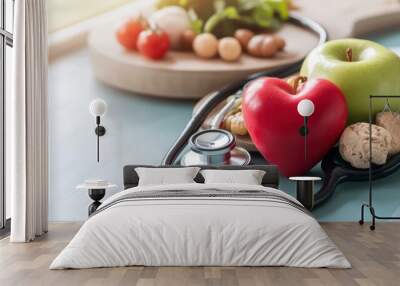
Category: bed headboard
<point>270,179</point>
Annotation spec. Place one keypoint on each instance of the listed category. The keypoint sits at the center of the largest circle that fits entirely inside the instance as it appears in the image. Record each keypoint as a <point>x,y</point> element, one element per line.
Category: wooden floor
<point>375,257</point>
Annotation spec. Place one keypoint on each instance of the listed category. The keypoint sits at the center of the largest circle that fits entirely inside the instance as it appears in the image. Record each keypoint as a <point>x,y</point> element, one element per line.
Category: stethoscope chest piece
<point>214,147</point>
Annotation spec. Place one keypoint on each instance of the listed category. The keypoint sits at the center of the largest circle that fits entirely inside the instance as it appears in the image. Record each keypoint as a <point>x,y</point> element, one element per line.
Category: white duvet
<point>200,231</point>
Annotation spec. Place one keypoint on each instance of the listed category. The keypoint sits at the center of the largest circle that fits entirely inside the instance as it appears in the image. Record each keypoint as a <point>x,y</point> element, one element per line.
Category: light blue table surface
<point>139,131</point>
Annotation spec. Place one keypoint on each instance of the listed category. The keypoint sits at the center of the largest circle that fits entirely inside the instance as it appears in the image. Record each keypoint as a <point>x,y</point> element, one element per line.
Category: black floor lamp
<point>372,168</point>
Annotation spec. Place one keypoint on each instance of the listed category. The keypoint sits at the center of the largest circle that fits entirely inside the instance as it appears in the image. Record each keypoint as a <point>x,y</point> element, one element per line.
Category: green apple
<point>359,68</point>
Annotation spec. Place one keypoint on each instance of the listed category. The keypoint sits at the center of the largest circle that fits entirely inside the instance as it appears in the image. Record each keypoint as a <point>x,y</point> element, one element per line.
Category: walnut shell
<point>238,126</point>
<point>391,122</point>
<point>354,145</point>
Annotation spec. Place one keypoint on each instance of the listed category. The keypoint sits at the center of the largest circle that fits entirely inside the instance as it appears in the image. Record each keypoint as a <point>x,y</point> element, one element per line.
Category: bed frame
<point>270,179</point>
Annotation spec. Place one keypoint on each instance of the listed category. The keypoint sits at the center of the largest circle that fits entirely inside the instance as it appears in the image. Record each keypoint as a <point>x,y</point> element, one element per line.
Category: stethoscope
<point>217,146</point>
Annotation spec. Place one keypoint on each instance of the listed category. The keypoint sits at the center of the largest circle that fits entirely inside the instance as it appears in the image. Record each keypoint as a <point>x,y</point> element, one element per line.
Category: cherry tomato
<point>128,33</point>
<point>153,44</point>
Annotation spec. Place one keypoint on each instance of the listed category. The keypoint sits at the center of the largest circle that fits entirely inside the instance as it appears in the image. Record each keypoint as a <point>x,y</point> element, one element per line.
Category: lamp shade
<point>305,107</point>
<point>98,107</point>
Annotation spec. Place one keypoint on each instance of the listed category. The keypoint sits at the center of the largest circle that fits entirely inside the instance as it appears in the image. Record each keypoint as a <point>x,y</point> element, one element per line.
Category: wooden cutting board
<point>183,75</point>
<point>351,18</point>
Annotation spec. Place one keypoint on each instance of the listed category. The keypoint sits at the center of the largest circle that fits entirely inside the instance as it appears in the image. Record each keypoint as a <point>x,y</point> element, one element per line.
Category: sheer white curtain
<point>26,133</point>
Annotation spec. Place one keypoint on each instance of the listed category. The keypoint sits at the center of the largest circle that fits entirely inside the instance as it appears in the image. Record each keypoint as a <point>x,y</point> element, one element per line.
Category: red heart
<point>271,116</point>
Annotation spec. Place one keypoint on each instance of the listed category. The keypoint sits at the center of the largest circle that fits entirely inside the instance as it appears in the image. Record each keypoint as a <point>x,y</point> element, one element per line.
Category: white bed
<point>185,230</point>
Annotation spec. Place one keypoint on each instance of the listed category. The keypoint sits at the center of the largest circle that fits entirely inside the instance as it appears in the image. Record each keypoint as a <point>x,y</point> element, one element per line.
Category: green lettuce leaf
<point>228,13</point>
<point>222,17</point>
<point>195,22</point>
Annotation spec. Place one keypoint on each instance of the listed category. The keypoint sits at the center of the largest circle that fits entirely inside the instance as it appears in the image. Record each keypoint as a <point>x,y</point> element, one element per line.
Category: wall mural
<point>266,84</point>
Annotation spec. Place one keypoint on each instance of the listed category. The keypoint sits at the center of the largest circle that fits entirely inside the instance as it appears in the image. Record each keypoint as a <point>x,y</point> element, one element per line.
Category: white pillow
<point>166,176</point>
<point>248,177</point>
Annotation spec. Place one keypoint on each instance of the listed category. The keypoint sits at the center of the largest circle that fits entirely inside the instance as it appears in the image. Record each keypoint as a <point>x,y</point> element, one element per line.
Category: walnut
<point>238,126</point>
<point>354,145</point>
<point>235,123</point>
<point>391,122</point>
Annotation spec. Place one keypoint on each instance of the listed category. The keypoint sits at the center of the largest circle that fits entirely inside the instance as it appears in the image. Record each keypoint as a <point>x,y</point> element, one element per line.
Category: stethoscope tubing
<point>212,101</point>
